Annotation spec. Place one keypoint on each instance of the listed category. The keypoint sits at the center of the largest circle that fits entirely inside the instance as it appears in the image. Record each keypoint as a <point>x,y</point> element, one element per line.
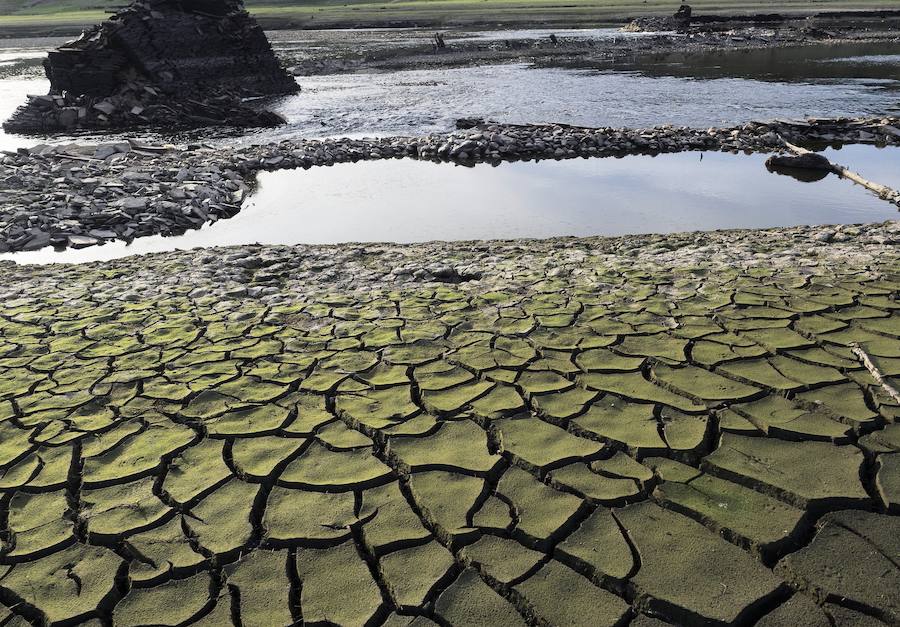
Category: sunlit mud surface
<point>694,428</point>
<point>475,434</point>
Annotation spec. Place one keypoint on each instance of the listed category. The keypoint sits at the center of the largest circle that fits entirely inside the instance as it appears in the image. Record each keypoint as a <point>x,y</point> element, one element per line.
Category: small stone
<point>38,241</point>
<point>105,107</point>
<point>134,204</point>
<point>81,241</point>
<point>104,152</point>
<point>68,117</point>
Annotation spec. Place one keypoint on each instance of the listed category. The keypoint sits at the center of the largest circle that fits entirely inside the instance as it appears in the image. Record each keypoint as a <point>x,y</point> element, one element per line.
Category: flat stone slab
<point>852,559</point>
<point>792,471</point>
<point>755,520</point>
<point>710,580</point>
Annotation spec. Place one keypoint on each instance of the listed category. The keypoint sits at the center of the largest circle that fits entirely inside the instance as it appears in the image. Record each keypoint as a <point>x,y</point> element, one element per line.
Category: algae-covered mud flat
<point>694,429</point>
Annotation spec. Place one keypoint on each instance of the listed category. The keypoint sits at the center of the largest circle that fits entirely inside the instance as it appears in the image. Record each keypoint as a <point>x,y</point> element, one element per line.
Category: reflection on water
<point>881,166</point>
<point>793,64</point>
<point>697,90</point>
<point>422,101</point>
<point>892,59</point>
<point>804,175</point>
<point>413,201</point>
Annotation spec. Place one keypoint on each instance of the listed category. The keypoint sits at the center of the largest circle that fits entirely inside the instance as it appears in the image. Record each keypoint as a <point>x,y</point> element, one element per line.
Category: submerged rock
<point>808,167</point>
<point>164,63</point>
<point>807,161</point>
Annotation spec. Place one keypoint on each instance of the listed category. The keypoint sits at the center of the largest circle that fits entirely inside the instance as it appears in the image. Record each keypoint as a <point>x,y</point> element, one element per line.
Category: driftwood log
<point>804,159</point>
<point>883,381</point>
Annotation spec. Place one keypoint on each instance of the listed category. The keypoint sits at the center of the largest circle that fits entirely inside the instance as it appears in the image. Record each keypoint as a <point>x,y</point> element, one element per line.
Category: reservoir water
<point>413,201</point>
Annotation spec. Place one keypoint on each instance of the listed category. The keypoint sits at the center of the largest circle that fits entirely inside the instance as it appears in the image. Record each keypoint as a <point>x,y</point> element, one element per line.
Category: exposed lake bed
<point>528,328</point>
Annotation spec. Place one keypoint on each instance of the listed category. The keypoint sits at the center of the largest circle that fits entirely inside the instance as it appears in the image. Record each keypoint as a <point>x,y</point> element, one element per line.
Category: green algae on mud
<point>651,427</point>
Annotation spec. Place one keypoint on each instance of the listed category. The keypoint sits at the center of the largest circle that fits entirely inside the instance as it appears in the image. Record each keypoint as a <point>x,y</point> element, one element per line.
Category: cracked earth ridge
<point>603,443</point>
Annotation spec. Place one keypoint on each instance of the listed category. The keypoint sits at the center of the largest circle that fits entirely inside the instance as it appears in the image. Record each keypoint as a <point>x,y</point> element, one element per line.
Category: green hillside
<point>62,15</point>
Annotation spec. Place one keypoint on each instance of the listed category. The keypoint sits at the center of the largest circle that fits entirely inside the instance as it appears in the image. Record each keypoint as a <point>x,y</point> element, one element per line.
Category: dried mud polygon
<point>699,449</point>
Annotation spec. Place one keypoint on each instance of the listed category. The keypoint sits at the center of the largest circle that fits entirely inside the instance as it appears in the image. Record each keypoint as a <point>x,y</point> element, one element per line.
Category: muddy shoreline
<point>81,196</point>
<point>304,270</point>
<point>560,17</point>
<point>159,360</point>
<point>660,36</point>
<point>577,52</point>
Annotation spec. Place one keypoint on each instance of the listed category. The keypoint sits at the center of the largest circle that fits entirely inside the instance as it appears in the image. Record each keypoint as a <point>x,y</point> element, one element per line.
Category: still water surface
<point>414,201</point>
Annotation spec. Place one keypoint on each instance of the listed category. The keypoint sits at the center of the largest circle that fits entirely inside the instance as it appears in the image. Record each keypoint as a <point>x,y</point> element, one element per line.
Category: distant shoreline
<point>487,14</point>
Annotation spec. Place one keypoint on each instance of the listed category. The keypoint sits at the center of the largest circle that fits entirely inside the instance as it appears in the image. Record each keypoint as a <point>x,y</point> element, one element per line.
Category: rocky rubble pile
<point>489,142</point>
<point>83,195</point>
<point>160,63</point>
<point>121,191</point>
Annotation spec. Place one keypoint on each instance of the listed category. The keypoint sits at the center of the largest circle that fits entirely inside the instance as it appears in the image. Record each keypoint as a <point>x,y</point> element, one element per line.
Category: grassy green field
<point>64,15</point>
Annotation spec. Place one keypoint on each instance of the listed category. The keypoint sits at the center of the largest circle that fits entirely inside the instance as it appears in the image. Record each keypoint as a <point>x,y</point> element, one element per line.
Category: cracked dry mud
<point>596,432</point>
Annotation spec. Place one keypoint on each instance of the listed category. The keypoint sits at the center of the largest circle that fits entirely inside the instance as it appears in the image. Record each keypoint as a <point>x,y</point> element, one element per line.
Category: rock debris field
<point>693,429</point>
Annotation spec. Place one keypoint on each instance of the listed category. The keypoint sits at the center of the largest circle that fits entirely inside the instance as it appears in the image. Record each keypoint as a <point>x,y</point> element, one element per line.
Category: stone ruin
<point>163,63</point>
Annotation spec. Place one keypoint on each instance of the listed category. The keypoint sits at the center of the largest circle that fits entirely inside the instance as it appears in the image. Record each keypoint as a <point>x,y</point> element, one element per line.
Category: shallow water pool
<point>415,201</point>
